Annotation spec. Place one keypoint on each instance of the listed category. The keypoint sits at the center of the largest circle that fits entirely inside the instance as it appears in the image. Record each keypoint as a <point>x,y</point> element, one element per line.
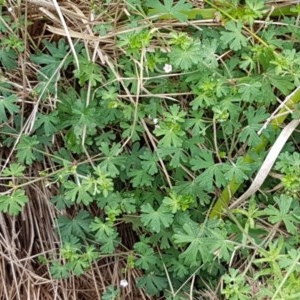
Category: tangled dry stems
<point>23,239</point>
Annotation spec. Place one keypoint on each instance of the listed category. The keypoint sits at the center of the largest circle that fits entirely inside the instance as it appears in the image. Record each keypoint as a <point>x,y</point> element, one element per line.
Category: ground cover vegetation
<point>129,129</point>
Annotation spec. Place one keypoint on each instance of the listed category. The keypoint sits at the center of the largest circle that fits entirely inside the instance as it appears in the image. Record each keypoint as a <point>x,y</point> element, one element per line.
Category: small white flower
<point>155,121</point>
<point>168,68</point>
<point>124,283</point>
<point>10,9</point>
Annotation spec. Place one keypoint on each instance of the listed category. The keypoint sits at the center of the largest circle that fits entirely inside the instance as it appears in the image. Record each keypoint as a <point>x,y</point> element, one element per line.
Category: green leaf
<point>175,115</point>
<point>233,37</point>
<point>146,256</point>
<point>195,237</point>
<point>53,61</point>
<point>284,213</point>
<point>152,283</point>
<point>156,220</point>
<point>113,160</point>
<point>111,293</point>
<point>163,239</point>
<point>14,169</point>
<point>288,162</point>
<point>102,229</point>
<point>128,203</point>
<point>178,10</point>
<point>175,202</point>
<point>49,122</point>
<point>8,105</point>
<point>77,193</point>
<point>61,202</point>
<point>220,244</point>
<point>81,117</point>
<point>91,254</point>
<point>250,91</point>
<point>213,172</point>
<point>13,204</point>
<point>88,71</point>
<point>149,162</point>
<point>8,58</point>
<point>286,261</point>
<point>78,226</point>
<point>171,133</point>
<point>185,58</point>
<point>25,149</point>
<point>177,267</point>
<point>254,10</point>
<point>140,178</point>
<point>255,119</point>
<point>59,271</point>
<point>109,243</point>
<point>79,266</point>
<point>238,170</point>
<point>235,286</point>
<point>282,82</point>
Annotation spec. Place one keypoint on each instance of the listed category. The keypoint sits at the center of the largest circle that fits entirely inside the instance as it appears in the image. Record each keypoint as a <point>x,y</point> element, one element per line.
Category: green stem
<point>223,201</point>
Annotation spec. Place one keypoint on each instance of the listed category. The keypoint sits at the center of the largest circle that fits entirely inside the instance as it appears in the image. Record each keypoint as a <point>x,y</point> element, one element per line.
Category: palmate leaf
<point>146,256</point>
<point>177,267</point>
<point>140,178</point>
<point>113,160</point>
<point>77,193</point>
<point>168,8</point>
<point>284,213</point>
<point>13,204</point>
<point>51,62</point>
<point>79,226</point>
<point>178,155</point>
<point>15,170</point>
<point>25,152</point>
<point>220,244</point>
<point>163,239</point>
<point>238,170</point>
<point>101,228</point>
<point>8,58</point>
<point>152,283</point>
<point>8,105</point>
<point>251,91</point>
<point>128,203</point>
<point>109,243</point>
<point>288,261</point>
<point>59,271</point>
<point>88,72</point>
<point>79,266</point>
<point>171,133</point>
<point>255,118</point>
<point>197,239</point>
<point>288,162</point>
<point>213,173</point>
<point>111,293</point>
<point>149,162</point>
<point>47,122</point>
<point>282,82</point>
<point>185,58</point>
<point>156,219</point>
<point>234,37</point>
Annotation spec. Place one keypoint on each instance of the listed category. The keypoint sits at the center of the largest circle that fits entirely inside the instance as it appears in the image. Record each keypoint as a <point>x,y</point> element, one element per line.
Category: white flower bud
<point>168,68</point>
<point>124,283</point>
